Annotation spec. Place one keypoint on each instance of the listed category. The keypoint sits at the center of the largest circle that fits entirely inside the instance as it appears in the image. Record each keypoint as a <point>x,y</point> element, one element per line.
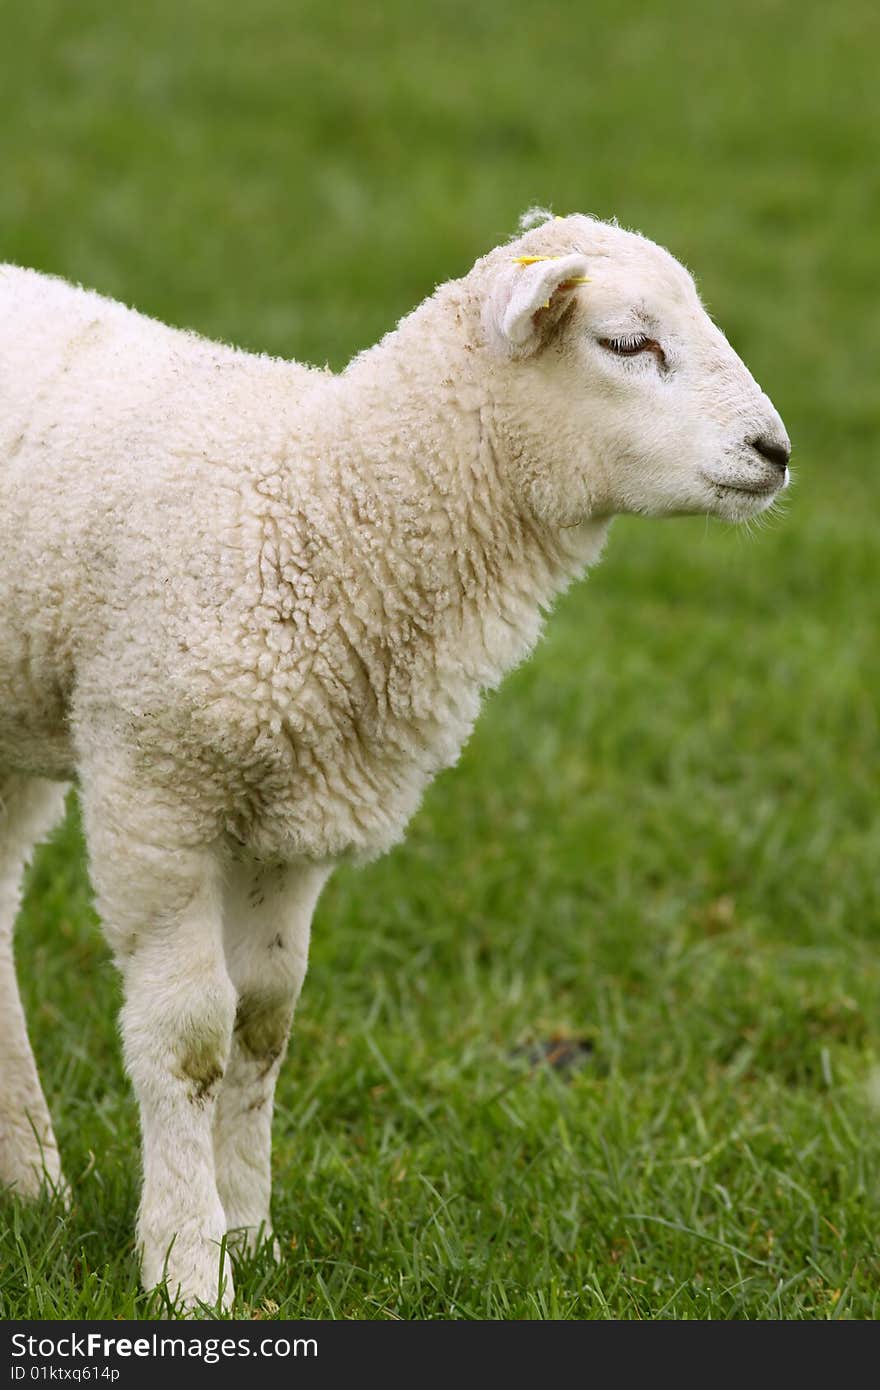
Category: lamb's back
<point>128,456</point>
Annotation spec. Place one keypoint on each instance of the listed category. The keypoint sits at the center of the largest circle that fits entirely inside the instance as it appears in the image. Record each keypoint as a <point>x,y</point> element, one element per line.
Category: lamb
<point>251,607</point>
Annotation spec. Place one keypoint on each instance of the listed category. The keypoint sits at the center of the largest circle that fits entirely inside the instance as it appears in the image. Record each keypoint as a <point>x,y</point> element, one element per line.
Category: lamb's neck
<point>454,560</point>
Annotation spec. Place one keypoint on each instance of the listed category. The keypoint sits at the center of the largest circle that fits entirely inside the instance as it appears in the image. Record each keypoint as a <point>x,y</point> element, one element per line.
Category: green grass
<point>663,837</point>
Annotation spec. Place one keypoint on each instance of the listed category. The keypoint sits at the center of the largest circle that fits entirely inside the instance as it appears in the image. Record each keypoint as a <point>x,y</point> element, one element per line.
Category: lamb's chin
<point>733,503</point>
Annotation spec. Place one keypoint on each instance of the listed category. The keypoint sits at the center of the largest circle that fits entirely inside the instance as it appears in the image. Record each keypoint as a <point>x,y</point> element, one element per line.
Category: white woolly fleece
<point>282,591</point>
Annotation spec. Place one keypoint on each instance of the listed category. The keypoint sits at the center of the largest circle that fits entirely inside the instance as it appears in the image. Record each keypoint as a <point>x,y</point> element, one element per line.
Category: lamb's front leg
<point>267,916</point>
<point>176,1027</point>
<point>161,906</point>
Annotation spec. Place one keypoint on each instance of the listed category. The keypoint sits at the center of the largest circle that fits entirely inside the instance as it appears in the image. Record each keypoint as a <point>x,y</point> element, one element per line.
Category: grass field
<point>663,840</point>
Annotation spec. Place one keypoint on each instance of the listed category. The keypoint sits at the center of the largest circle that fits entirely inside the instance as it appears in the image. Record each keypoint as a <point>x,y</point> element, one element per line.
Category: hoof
<point>196,1273</point>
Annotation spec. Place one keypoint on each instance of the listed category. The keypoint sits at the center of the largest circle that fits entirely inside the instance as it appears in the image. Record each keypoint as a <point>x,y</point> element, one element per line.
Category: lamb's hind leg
<point>29,1160</point>
<point>267,914</point>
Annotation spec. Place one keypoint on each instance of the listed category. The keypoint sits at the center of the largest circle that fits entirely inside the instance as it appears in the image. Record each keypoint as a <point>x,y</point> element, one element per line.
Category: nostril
<point>772,450</point>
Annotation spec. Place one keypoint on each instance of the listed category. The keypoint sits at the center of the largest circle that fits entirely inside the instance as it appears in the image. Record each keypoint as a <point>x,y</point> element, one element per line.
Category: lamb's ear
<point>529,296</point>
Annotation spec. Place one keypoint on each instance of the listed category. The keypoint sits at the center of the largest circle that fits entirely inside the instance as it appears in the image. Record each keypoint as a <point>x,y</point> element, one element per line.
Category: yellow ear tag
<point>532,260</point>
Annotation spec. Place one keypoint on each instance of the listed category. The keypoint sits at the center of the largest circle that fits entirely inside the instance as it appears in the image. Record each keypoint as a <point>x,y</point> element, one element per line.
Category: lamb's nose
<point>776,451</point>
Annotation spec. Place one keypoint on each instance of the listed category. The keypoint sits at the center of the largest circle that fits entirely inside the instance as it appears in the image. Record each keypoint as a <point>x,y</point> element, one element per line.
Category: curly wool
<point>283,590</point>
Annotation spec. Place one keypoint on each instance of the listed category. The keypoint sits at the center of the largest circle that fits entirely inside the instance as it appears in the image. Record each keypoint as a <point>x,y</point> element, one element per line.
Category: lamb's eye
<point>631,346</point>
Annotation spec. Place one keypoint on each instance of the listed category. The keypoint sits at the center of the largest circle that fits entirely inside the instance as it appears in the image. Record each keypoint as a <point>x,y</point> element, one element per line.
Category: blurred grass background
<point>662,840</point>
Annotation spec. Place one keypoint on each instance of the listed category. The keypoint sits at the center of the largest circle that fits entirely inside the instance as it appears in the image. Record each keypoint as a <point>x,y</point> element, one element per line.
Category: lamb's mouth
<point>767,489</point>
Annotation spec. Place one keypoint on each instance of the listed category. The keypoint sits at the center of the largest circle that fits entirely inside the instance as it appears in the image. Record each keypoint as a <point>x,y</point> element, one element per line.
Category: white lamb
<point>251,607</point>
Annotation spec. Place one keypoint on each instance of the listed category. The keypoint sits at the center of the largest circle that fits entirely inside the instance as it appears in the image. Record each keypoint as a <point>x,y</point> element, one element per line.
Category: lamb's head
<point>613,389</point>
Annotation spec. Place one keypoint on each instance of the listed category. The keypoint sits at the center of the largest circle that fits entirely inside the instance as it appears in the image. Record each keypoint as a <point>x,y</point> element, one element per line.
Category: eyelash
<point>632,345</point>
